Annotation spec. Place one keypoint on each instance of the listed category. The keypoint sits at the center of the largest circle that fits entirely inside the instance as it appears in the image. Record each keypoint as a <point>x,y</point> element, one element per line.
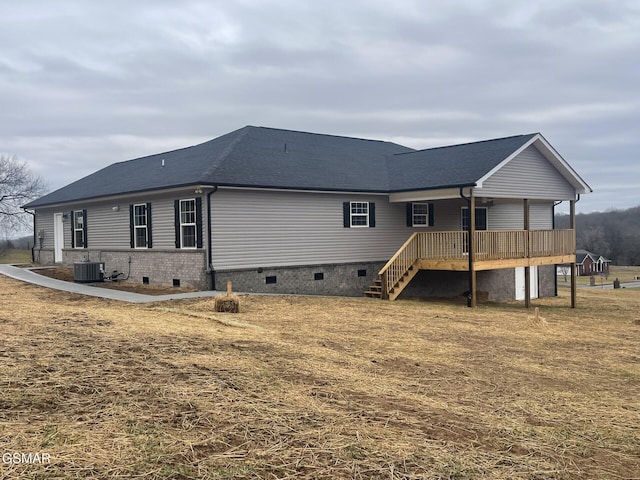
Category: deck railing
<point>489,245</point>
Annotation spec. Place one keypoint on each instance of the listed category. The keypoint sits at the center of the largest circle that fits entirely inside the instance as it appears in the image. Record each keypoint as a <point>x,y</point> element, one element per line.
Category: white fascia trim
<point>552,156</point>
<point>422,195</point>
<point>505,161</point>
<point>130,196</point>
<point>257,189</point>
<point>562,165</point>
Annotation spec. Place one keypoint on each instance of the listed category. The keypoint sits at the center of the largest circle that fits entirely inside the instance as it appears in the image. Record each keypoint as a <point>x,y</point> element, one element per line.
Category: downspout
<point>470,256</point>
<point>33,248</point>
<point>553,227</point>
<point>210,269</point>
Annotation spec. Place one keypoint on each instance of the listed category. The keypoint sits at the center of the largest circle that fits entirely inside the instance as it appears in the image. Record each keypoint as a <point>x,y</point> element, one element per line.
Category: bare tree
<point>18,186</point>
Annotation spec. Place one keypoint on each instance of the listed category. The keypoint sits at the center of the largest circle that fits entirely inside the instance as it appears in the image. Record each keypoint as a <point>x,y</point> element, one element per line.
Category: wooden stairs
<point>377,289</point>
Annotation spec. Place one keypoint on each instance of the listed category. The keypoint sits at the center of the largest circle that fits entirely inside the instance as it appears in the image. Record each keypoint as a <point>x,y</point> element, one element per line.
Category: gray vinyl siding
<point>447,215</point>
<point>44,221</point>
<point>541,216</point>
<point>529,175</point>
<point>108,229</point>
<point>162,216</point>
<point>254,229</point>
<point>502,215</point>
<point>510,216</point>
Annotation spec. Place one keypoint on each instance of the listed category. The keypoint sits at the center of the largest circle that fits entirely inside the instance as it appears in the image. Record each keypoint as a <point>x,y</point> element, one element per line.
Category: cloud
<point>85,84</point>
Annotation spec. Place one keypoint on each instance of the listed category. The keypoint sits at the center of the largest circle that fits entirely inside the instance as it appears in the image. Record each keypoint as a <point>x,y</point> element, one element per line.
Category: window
<point>420,214</point>
<point>79,229</point>
<point>141,225</point>
<point>188,223</point>
<point>359,214</point>
<point>481,218</point>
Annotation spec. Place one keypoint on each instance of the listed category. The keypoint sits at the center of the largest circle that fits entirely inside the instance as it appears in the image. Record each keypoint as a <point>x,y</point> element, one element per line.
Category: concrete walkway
<point>27,275</point>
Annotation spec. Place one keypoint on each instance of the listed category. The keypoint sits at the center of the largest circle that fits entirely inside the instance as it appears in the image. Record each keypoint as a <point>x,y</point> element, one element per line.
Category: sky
<point>86,84</point>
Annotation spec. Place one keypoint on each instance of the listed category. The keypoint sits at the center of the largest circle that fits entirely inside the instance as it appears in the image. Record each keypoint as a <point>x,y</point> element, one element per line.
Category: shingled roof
<point>263,157</point>
<point>451,166</point>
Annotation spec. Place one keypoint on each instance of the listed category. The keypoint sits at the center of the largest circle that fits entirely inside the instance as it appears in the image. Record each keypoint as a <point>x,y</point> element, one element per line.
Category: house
<point>588,264</point>
<point>292,212</point>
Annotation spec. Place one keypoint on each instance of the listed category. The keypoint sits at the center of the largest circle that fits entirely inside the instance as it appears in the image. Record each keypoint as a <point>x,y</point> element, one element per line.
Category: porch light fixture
<point>116,208</point>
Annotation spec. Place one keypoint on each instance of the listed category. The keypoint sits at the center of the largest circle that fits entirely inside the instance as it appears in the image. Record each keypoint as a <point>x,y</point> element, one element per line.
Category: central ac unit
<point>88,272</point>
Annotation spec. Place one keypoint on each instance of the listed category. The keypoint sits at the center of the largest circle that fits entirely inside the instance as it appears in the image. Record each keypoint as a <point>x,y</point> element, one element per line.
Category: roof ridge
<point>470,143</point>
<point>241,133</point>
<point>349,137</point>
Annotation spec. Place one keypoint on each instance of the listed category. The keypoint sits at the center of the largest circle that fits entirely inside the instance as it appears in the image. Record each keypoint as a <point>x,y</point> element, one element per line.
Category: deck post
<point>527,269</point>
<point>472,250</point>
<point>572,226</point>
<point>385,284</point>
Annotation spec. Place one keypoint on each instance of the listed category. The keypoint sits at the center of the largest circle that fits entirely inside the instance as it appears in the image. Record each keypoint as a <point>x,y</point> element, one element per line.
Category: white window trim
<point>352,215</point>
<point>140,227</point>
<point>194,224</point>
<point>413,215</point>
<point>78,213</point>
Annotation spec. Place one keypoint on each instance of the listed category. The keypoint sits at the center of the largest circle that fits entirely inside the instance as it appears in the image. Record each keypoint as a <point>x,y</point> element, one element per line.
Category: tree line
<point>614,234</point>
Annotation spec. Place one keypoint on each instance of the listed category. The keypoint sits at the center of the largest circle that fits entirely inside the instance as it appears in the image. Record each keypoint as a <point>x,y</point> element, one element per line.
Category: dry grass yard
<point>320,388</point>
<point>15,256</point>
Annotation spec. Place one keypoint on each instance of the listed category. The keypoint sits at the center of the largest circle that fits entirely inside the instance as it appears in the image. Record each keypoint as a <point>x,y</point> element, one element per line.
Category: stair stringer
<point>397,289</point>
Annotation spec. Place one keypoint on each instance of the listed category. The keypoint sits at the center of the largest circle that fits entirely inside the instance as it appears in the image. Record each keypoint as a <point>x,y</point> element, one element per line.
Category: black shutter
<point>176,222</point>
<point>131,229</point>
<point>409,214</point>
<point>346,214</point>
<point>149,237</point>
<point>73,231</point>
<point>372,214</point>
<point>199,222</point>
<point>431,215</point>
<point>85,237</point>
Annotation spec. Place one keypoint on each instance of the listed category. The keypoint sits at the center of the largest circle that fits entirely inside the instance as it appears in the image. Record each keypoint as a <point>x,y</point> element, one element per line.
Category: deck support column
<point>472,251</point>
<point>527,269</point>
<point>572,226</point>
<point>385,286</point>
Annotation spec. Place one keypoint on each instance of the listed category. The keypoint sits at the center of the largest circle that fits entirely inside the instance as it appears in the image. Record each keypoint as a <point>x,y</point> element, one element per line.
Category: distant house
<point>293,212</point>
<point>588,263</point>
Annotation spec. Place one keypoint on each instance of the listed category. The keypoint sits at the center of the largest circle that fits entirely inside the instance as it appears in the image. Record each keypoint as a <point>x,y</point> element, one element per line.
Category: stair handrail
<point>398,253</point>
<point>398,271</point>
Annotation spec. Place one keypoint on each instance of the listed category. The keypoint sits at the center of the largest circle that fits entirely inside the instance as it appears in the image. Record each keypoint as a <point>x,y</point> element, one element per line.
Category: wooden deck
<point>493,249</point>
